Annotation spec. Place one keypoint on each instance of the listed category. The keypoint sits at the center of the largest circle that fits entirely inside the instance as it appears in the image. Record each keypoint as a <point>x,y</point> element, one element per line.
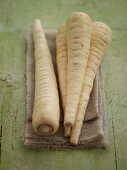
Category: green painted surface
<point>15,19</point>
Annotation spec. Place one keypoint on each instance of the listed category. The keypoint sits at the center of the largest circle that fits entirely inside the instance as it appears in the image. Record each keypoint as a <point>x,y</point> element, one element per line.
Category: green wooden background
<point>16,17</point>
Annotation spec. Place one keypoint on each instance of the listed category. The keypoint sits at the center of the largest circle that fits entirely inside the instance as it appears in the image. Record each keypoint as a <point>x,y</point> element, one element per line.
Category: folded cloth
<point>94,132</point>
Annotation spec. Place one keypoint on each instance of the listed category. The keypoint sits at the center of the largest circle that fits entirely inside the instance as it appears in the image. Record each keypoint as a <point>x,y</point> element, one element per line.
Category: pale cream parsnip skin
<point>46,112</point>
<point>61,60</point>
<point>101,36</point>
<point>78,34</point>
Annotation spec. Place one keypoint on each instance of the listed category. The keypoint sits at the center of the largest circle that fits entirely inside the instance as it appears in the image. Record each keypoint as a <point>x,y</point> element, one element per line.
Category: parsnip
<point>101,36</point>
<point>61,60</point>
<point>46,112</point>
<point>78,44</point>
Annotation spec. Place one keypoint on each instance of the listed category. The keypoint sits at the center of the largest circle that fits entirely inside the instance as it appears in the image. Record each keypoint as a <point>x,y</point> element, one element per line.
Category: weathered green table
<point>15,19</point>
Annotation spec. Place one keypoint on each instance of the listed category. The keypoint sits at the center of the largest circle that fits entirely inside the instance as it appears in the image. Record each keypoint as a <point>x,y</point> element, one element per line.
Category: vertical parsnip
<point>101,36</point>
<point>46,112</point>
<point>61,60</point>
<point>78,34</point>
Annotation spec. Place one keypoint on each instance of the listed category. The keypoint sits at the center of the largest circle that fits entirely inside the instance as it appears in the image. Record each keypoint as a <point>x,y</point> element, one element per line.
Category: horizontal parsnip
<point>78,34</point>
<point>46,112</point>
<point>101,36</point>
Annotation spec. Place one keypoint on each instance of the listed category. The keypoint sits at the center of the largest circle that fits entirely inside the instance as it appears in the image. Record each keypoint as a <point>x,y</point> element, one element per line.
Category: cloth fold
<point>94,132</point>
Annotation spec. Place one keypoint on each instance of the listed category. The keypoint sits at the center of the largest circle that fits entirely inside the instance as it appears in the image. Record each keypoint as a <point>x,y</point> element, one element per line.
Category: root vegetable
<point>101,36</point>
<point>78,34</point>
<point>46,112</point>
<point>61,60</point>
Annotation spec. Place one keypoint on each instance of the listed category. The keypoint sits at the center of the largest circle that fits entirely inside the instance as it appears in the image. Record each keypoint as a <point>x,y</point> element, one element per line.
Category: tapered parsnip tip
<point>37,23</point>
<point>74,141</point>
<point>79,16</point>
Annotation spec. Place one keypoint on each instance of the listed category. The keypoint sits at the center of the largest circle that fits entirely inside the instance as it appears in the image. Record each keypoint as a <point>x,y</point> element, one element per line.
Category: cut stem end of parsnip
<point>45,129</point>
<point>46,111</point>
